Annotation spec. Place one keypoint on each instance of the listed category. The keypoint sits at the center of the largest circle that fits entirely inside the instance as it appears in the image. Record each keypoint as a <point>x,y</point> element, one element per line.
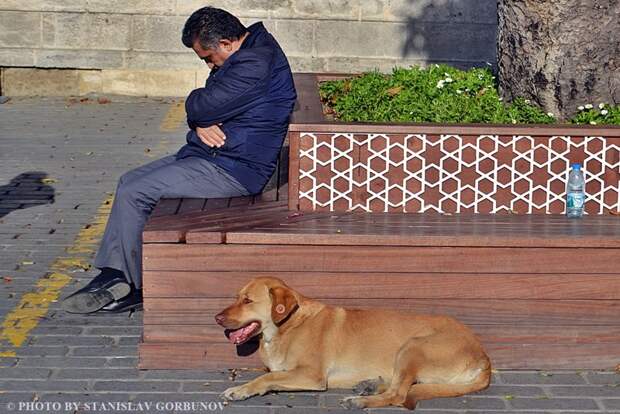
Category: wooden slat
<point>205,284</point>
<point>165,236</point>
<point>190,205</point>
<point>554,356</point>
<point>508,356</point>
<point>165,207</point>
<point>193,356</point>
<point>181,220</point>
<point>199,311</point>
<point>344,238</point>
<point>209,219</point>
<point>173,229</point>
<point>267,216</point>
<point>216,204</point>
<point>571,226</point>
<point>556,334</point>
<point>266,196</point>
<point>283,193</point>
<point>488,334</point>
<point>240,201</point>
<point>201,234</point>
<point>385,223</point>
<point>294,258</point>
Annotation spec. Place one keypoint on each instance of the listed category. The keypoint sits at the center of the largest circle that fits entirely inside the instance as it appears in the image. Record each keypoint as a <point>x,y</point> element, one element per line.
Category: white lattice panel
<point>454,173</point>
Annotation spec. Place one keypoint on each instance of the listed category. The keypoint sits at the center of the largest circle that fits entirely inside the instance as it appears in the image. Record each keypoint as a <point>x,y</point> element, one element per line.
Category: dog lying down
<point>389,357</point>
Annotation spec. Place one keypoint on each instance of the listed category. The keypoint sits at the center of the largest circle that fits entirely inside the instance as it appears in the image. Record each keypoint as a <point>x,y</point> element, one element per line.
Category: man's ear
<point>283,302</point>
<point>226,45</point>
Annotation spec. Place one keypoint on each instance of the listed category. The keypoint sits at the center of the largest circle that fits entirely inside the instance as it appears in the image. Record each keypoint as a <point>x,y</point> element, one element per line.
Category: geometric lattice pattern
<point>454,173</point>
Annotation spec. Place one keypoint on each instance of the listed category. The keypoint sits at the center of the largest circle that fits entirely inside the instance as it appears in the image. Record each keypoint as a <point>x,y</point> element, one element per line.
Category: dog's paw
<point>352,402</point>
<point>238,393</point>
<point>368,387</point>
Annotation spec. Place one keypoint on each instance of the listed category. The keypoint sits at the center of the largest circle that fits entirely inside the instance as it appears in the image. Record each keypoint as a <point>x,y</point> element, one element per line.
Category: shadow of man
<point>28,189</point>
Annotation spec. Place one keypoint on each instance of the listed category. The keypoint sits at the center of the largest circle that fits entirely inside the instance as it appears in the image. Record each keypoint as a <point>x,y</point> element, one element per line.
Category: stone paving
<point>59,162</point>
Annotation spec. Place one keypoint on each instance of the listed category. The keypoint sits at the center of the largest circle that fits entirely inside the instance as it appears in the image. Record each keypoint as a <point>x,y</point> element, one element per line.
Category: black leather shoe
<point>103,289</point>
<point>104,277</point>
<point>133,301</point>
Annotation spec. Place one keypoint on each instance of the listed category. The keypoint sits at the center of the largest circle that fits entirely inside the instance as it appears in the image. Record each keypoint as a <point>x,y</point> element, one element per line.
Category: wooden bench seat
<point>541,291</point>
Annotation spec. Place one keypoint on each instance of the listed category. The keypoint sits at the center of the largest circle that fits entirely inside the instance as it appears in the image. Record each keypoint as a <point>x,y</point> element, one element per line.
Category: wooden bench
<point>541,291</point>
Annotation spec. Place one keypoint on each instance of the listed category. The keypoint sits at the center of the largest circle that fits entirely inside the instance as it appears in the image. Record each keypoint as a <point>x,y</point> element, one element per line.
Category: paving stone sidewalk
<point>59,161</point>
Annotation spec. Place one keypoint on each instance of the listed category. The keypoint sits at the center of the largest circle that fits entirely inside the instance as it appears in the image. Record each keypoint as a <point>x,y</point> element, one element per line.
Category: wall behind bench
<point>71,47</point>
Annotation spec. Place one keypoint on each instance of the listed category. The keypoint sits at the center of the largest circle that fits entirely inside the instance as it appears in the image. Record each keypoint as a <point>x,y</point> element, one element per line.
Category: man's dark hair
<point>210,25</point>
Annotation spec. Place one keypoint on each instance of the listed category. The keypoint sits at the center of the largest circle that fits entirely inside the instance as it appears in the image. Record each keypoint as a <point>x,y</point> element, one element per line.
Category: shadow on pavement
<point>28,189</point>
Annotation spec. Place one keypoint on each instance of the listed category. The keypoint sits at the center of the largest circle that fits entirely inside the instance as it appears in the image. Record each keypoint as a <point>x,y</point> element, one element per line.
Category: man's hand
<point>212,136</point>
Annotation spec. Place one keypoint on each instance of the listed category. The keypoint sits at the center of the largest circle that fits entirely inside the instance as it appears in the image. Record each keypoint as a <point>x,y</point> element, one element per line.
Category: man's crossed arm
<point>234,90</point>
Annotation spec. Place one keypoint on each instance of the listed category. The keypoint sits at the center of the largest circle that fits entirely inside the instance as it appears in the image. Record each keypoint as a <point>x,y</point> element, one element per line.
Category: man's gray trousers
<point>137,194</point>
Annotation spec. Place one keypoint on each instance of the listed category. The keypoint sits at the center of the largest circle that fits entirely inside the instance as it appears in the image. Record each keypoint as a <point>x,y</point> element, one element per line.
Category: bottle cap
<point>576,166</point>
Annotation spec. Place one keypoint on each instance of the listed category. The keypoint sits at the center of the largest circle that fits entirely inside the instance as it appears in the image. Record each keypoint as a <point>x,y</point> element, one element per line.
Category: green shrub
<point>440,94</point>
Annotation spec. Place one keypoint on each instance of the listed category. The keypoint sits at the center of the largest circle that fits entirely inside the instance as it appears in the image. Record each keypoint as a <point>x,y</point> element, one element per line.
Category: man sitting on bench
<point>237,122</point>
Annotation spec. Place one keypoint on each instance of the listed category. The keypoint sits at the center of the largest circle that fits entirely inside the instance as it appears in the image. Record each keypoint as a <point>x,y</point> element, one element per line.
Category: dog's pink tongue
<point>242,334</point>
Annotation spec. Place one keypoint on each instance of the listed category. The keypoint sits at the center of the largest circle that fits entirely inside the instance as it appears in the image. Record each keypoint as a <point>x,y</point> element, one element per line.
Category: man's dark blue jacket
<point>252,95</point>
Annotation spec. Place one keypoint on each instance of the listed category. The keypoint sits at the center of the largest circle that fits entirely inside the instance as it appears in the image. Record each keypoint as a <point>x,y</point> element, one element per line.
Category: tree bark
<point>560,53</point>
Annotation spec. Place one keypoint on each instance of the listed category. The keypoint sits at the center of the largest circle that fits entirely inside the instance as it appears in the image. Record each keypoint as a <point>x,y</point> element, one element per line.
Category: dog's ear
<point>283,302</point>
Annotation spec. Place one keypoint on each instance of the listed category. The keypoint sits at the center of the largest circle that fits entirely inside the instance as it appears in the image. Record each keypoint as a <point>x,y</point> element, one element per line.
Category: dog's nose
<point>220,318</point>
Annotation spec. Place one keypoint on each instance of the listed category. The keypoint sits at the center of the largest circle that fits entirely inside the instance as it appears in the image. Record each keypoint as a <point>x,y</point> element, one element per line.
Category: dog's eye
<point>247,301</point>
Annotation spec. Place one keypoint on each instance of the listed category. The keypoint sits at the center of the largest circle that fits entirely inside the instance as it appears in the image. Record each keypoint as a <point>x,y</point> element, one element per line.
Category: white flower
<point>449,79</point>
<point>604,112</point>
<point>601,105</point>
<point>447,74</point>
<point>592,123</point>
<point>440,84</point>
<point>527,101</point>
<point>500,99</point>
<point>588,106</point>
<point>459,91</point>
<point>580,107</point>
<point>514,121</point>
<point>550,114</point>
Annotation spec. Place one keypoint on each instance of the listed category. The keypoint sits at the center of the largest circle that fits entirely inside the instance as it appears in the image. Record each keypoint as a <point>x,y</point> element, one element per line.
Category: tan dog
<point>399,357</point>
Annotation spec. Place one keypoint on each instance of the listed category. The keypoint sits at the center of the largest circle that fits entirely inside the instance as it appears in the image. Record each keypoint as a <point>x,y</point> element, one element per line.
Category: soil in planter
<point>441,94</point>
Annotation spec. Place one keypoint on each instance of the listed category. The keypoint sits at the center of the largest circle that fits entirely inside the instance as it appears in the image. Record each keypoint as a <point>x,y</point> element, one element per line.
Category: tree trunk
<point>560,53</point>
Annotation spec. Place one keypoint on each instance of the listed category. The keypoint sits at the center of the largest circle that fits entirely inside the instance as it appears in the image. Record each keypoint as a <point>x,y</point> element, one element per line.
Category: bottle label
<point>575,200</point>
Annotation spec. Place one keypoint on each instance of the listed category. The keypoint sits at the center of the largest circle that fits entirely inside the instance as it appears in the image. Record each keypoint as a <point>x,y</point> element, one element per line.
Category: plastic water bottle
<point>575,195</point>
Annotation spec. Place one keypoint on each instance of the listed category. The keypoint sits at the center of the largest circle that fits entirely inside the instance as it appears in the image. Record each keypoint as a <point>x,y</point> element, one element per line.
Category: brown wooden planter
<point>450,168</point>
